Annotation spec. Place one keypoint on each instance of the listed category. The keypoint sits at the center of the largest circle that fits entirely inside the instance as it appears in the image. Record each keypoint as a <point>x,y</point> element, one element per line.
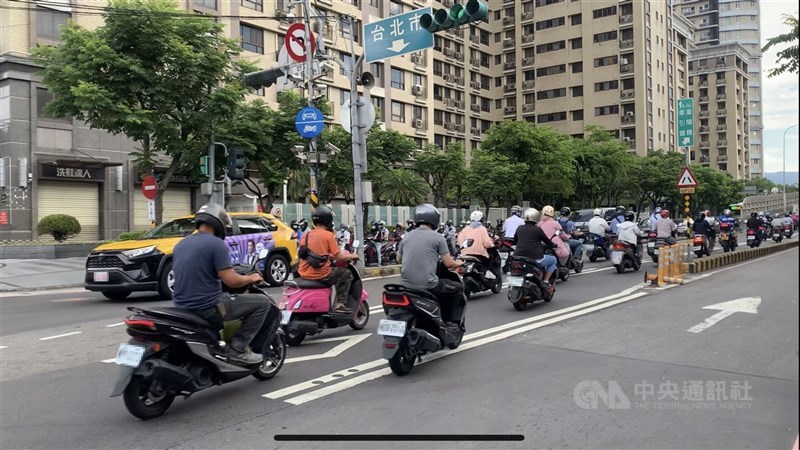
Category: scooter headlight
<point>298,304</point>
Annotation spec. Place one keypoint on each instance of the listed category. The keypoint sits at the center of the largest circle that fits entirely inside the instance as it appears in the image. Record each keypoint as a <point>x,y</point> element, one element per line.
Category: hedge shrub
<point>60,226</point>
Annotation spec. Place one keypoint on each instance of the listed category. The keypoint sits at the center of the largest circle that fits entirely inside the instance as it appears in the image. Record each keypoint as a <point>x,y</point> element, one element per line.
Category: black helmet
<point>620,210</point>
<point>409,222</point>
<point>565,211</point>
<point>449,222</point>
<point>427,213</point>
<point>215,216</point>
<point>754,214</point>
<point>322,215</point>
<point>702,216</point>
<point>629,216</point>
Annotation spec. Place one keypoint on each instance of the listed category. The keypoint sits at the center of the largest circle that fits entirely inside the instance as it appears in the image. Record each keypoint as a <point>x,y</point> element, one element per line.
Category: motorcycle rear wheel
<point>498,286</point>
<point>295,339</point>
<point>403,360</point>
<point>620,267</point>
<point>139,401</point>
<point>277,348</point>
<point>361,317</point>
<point>454,345</point>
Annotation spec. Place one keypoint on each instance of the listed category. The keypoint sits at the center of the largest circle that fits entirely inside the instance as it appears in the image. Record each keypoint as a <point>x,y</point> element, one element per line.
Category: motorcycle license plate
<point>129,355</point>
<point>651,245</point>
<point>100,277</point>
<point>588,248</point>
<point>396,328</point>
<point>515,281</point>
<point>285,316</point>
<point>696,248</point>
<point>616,257</point>
<point>655,252</point>
<point>751,238</point>
<point>776,235</point>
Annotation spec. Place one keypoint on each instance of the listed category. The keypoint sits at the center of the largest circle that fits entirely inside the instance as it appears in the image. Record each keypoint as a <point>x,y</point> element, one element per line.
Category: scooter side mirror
<point>356,244</point>
<point>468,243</point>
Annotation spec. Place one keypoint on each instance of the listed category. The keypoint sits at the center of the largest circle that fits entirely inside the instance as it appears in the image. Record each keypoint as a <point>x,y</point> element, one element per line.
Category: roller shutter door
<point>79,200</point>
<point>177,202</point>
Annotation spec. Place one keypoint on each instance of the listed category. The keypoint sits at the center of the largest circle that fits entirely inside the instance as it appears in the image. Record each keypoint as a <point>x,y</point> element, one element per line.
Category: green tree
<point>159,78</point>
<point>493,177</point>
<point>402,187</point>
<point>601,165</point>
<point>652,178</point>
<point>544,151</point>
<point>440,168</point>
<point>716,190</point>
<point>789,57</point>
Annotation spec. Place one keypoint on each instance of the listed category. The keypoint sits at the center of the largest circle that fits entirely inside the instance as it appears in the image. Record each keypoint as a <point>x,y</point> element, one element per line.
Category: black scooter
<point>173,352</point>
<point>475,269</point>
<point>414,326</point>
<point>525,283</point>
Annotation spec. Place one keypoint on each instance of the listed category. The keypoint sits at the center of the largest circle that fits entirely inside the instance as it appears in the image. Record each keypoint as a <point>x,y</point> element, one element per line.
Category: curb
<point>382,271</point>
<point>713,262</point>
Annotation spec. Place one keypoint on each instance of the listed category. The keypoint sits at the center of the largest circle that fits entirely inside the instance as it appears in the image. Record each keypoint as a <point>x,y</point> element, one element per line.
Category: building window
<point>607,36</point>
<point>577,67</point>
<point>576,43</point>
<point>553,117</point>
<point>252,38</point>
<point>606,86</point>
<point>552,23</point>
<point>547,2</point>
<point>606,110</point>
<point>577,114</point>
<point>398,112</point>
<point>49,23</point>
<point>551,47</point>
<point>553,93</point>
<point>395,8</point>
<point>575,19</point>
<point>552,70</point>
<point>606,61</point>
<point>398,79</point>
<point>210,4</point>
<point>577,91</point>
<point>257,5</point>
<point>43,97</point>
<point>416,112</point>
<point>604,12</point>
<point>376,69</point>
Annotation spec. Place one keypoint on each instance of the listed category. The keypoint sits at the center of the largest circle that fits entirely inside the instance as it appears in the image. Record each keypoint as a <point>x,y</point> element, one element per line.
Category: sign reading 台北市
<point>685,122</point>
<point>309,122</point>
<point>396,35</point>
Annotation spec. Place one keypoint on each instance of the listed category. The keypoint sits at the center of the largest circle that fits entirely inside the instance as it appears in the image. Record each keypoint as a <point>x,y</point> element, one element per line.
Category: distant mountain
<point>777,177</point>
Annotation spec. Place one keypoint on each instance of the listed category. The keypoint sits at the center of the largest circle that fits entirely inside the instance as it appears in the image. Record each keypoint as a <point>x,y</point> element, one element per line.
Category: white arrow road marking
<point>335,376</point>
<point>3,346</point>
<point>349,341</point>
<point>59,336</point>
<point>746,305</point>
<point>325,391</point>
<point>398,45</point>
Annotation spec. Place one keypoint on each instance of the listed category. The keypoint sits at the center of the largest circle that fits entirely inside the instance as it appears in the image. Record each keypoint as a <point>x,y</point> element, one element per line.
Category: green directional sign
<point>685,122</point>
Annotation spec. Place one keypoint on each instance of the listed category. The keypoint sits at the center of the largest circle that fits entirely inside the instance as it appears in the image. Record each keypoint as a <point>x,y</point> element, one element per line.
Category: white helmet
<point>549,211</point>
<point>531,215</point>
<point>598,212</point>
<point>476,216</point>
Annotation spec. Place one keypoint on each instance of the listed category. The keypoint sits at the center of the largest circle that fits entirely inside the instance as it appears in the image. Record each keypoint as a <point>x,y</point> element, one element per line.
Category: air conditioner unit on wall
<point>418,123</point>
<point>416,89</point>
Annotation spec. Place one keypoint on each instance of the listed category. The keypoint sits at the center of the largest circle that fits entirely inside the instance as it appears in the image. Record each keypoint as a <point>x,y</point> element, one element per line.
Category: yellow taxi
<point>118,268</point>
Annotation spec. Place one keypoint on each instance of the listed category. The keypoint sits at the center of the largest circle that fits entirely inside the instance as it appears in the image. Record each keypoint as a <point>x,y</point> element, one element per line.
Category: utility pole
<point>309,79</point>
<point>358,138</point>
<point>785,210</point>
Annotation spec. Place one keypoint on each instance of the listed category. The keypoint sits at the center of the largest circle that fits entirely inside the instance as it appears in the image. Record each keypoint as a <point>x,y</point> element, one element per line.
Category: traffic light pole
<point>358,138</point>
<point>309,78</point>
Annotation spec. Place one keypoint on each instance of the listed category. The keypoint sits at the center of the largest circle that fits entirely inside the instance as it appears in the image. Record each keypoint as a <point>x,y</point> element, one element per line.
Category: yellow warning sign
<point>314,200</point>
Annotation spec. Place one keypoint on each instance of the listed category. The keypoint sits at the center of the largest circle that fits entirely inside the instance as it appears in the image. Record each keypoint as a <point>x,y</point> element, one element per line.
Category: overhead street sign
<point>309,122</point>
<point>295,42</point>
<point>687,180</point>
<point>685,122</point>
<point>396,35</point>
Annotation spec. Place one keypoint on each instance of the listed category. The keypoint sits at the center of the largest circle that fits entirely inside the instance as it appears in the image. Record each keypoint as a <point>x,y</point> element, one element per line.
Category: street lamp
<point>784,165</point>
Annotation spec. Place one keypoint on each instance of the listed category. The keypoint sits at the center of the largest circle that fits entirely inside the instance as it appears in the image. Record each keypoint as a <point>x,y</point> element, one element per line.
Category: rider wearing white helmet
<point>482,245</point>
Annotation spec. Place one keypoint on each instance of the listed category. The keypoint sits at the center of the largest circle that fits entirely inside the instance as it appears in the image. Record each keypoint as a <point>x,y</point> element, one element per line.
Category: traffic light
<point>204,165</point>
<point>262,78</point>
<point>236,163</point>
<point>442,19</point>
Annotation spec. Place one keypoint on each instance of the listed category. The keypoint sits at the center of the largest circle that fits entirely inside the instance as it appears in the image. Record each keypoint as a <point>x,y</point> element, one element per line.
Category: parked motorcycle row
<point>173,353</point>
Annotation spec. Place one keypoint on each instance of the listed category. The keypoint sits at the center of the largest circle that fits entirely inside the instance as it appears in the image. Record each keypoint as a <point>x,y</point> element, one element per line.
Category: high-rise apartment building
<point>725,22</point>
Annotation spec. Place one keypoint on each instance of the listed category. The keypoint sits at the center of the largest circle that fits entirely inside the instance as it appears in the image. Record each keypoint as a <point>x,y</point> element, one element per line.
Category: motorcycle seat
<point>399,288</point>
<point>182,315</point>
<point>310,284</point>
<point>470,258</point>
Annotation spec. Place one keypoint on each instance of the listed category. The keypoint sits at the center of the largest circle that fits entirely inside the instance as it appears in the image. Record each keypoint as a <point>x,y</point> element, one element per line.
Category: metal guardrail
<point>769,203</point>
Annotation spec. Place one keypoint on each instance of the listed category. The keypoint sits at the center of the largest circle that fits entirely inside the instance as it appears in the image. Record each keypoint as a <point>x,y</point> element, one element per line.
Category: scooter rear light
<point>619,246</point>
<point>751,232</point>
<point>698,240</point>
<point>395,300</point>
<point>140,323</point>
<point>389,345</point>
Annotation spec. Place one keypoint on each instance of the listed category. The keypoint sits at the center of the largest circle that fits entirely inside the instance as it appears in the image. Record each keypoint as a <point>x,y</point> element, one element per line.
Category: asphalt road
<point>584,371</point>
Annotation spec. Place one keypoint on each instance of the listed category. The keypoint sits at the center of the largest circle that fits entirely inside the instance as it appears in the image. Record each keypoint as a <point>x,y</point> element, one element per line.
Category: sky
<point>779,94</point>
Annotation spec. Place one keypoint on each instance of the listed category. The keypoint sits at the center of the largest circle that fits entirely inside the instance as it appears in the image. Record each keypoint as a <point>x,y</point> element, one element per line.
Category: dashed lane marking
<point>60,336</point>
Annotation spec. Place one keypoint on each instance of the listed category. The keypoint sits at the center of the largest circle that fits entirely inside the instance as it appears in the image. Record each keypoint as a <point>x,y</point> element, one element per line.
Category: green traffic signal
<point>236,163</point>
<point>262,78</point>
<point>442,19</point>
<point>204,165</point>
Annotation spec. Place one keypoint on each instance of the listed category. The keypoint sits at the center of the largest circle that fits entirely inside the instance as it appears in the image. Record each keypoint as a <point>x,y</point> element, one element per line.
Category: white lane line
<point>324,379</point>
<point>381,277</point>
<point>711,321</point>
<point>381,362</point>
<point>71,300</point>
<point>115,324</point>
<point>60,335</point>
<point>349,342</point>
<point>325,391</point>
<point>110,360</point>
<point>3,346</point>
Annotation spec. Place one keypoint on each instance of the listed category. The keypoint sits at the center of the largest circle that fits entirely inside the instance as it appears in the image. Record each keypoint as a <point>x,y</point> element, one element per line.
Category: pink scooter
<point>307,307</point>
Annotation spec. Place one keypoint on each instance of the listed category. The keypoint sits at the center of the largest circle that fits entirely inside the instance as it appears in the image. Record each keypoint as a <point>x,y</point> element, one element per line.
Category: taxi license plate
<point>100,277</point>
<point>588,248</point>
<point>285,316</point>
<point>396,328</point>
<point>129,355</point>
<point>515,281</point>
<point>616,257</point>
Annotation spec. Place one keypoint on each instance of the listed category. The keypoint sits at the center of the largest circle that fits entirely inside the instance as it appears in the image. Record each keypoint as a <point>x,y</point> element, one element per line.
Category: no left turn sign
<point>295,42</point>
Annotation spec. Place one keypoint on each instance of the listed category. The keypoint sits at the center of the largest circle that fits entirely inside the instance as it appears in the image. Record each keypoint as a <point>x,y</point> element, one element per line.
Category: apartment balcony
<point>704,83</point>
<point>475,61</point>
<point>508,21</point>
<point>628,43</point>
<point>527,39</point>
<point>628,119</point>
<point>508,110</point>
<point>722,127</point>
<point>721,96</point>
<point>509,65</point>
<point>722,158</point>
<point>528,85</point>
<point>627,95</point>
<point>626,20</point>
<point>475,40</point>
<point>722,143</point>
<point>508,42</point>
<point>704,130</point>
<point>721,113</point>
<point>720,81</point>
<point>528,108</point>
<point>704,113</point>
<point>705,159</point>
<point>510,87</point>
<point>455,32</point>
<point>475,131</point>
<point>704,144</point>
<point>527,16</point>
<point>703,99</point>
<point>527,61</point>
<point>475,107</point>
<point>476,85</point>
<point>626,69</point>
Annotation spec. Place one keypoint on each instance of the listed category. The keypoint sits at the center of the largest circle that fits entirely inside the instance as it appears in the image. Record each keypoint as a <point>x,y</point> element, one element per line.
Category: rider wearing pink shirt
<point>550,226</point>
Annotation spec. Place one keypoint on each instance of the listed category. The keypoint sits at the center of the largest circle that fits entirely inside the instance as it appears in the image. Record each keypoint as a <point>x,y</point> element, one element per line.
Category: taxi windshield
<point>173,228</point>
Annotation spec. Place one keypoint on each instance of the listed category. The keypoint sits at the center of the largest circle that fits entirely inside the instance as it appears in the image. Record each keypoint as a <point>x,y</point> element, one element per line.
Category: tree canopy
<point>788,57</point>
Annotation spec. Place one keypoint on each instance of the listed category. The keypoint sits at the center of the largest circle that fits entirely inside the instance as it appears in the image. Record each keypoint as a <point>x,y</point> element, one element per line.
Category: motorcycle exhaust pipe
<point>423,341</point>
<point>168,374</point>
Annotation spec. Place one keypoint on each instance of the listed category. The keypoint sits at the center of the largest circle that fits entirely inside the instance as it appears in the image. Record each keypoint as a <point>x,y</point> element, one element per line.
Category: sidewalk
<point>29,274</point>
<point>33,274</point>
